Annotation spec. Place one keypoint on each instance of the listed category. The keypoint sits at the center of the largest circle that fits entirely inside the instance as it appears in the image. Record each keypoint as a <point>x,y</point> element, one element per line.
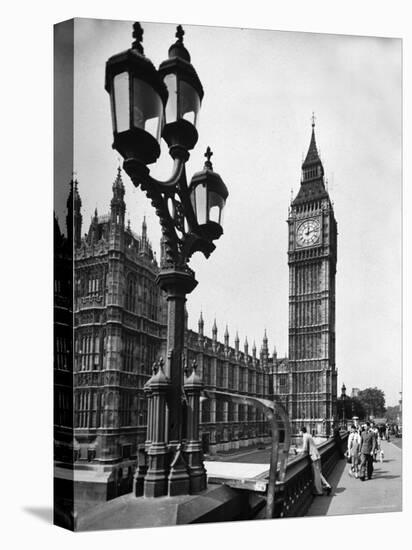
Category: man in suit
<point>309,447</point>
<point>368,444</point>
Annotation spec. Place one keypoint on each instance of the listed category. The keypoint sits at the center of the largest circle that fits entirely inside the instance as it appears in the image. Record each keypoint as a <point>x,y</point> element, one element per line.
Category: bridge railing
<point>295,494</point>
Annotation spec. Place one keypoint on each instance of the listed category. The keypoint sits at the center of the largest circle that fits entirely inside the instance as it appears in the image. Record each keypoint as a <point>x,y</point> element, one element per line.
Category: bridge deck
<point>383,493</point>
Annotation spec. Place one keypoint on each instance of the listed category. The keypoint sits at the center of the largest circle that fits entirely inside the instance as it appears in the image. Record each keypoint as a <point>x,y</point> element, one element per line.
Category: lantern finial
<point>179,33</point>
<point>178,49</point>
<point>138,37</point>
<point>208,155</point>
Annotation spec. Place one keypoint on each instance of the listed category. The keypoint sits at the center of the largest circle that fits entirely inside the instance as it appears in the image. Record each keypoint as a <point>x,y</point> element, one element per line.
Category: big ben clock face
<point>308,233</point>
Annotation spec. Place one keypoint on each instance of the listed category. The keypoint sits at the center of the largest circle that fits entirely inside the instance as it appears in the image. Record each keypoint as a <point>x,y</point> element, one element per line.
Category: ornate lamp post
<point>146,105</point>
<point>343,399</point>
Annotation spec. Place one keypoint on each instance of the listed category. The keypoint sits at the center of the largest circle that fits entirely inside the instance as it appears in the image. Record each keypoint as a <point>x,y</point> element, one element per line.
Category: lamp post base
<point>178,482</point>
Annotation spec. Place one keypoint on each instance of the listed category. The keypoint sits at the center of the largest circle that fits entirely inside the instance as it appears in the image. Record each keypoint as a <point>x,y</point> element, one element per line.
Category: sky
<point>261,88</point>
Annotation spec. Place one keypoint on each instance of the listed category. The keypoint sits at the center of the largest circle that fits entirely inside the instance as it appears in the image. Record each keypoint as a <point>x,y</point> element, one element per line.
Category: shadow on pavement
<point>320,505</point>
<point>377,476</point>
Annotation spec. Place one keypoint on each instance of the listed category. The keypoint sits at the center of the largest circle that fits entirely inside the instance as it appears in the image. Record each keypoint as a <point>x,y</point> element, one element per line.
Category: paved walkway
<point>383,493</point>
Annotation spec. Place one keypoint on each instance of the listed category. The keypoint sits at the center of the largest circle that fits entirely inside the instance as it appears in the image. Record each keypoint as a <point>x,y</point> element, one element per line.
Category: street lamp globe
<point>185,96</point>
<point>208,195</point>
<point>137,96</point>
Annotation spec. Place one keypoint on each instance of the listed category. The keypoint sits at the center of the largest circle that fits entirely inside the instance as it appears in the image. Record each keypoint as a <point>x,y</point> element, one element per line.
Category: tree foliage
<point>369,402</point>
<point>373,401</point>
<point>392,414</point>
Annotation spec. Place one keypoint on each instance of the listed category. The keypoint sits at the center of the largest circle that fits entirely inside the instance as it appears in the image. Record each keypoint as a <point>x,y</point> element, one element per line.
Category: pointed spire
<point>226,336</point>
<point>117,204</point>
<point>312,183</point>
<point>312,156</point>
<point>275,353</point>
<point>254,350</point>
<point>118,182</point>
<point>237,341</point>
<point>214,330</point>
<point>264,350</point>
<point>246,346</point>
<point>144,228</point>
<point>74,216</point>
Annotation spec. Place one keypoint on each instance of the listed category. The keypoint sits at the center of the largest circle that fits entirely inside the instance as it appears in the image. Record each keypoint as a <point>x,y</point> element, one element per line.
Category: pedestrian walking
<point>377,448</point>
<point>354,445</point>
<point>387,433</point>
<point>367,450</point>
<point>320,483</point>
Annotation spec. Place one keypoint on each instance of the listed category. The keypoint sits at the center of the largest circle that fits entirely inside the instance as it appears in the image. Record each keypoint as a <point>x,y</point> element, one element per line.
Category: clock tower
<point>312,268</point>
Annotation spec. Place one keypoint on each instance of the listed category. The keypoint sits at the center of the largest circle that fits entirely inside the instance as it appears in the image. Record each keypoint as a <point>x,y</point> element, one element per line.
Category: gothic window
<point>231,411</point>
<point>219,410</point>
<point>205,411</point>
<point>231,370</point>
<point>88,352</point>
<point>220,375</point>
<point>83,400</point>
<point>61,353</point>
<point>93,410</point>
<point>94,283</point>
<point>126,404</point>
<point>130,304</point>
<point>141,410</point>
<point>249,388</point>
<point>207,378</point>
<point>128,354</point>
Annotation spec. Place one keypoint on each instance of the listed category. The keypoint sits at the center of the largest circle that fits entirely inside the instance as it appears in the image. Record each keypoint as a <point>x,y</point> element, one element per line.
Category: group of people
<point>364,448</point>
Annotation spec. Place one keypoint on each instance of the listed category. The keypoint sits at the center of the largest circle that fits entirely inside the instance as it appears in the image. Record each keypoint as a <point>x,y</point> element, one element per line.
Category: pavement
<point>382,493</point>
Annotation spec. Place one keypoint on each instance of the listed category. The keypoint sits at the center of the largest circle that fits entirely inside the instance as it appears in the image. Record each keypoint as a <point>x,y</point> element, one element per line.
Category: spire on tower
<point>117,204</point>
<point>312,183</point>
<point>312,156</point>
<point>118,182</point>
<point>144,228</point>
<point>237,341</point>
<point>201,324</point>
<point>214,330</point>
<point>74,216</point>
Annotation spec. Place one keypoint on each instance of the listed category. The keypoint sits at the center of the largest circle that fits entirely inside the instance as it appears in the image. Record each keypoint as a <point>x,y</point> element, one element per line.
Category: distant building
<point>355,392</point>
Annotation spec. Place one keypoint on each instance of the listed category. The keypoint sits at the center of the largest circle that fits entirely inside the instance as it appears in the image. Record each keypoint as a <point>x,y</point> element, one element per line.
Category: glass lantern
<point>137,96</point>
<point>185,94</point>
<point>208,196</point>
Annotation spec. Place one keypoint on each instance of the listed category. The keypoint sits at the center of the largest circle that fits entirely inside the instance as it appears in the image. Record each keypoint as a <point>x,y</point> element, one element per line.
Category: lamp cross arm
<point>140,175</point>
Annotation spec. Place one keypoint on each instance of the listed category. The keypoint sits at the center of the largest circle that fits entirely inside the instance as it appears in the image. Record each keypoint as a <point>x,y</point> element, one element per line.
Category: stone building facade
<point>119,331</point>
